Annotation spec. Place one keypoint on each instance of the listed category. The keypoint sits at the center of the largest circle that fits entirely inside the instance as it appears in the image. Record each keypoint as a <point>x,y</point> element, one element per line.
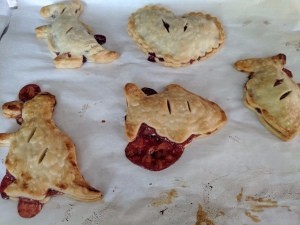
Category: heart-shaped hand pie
<point>175,40</point>
<point>272,94</point>
<point>159,126</point>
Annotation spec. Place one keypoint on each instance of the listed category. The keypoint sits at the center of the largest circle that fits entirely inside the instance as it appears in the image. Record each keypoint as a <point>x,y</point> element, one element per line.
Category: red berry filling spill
<point>149,91</point>
<point>27,208</point>
<point>101,39</point>
<point>153,152</point>
<point>28,92</point>
<point>7,180</point>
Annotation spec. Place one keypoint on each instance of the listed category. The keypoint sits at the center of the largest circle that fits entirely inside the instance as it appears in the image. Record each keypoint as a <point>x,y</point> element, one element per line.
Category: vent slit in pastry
<point>31,134</point>
<point>63,10</point>
<point>189,106</point>
<point>169,107</point>
<point>278,82</point>
<point>78,10</point>
<point>285,95</point>
<point>69,30</point>
<point>185,27</point>
<point>43,155</point>
<point>166,25</point>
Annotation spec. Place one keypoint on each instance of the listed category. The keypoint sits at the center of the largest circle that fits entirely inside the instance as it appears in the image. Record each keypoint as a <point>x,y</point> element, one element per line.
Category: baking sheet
<point>240,175</point>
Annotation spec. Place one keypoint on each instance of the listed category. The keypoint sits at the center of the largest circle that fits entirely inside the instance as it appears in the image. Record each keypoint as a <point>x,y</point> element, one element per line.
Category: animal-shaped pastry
<point>69,39</point>
<point>41,160</point>
<point>272,94</point>
<point>172,40</point>
<point>159,125</point>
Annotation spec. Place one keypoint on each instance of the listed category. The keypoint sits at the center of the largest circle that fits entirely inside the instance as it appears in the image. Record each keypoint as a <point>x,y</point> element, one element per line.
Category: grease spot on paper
<point>202,217</point>
<point>255,205</point>
<point>240,196</point>
<point>165,198</point>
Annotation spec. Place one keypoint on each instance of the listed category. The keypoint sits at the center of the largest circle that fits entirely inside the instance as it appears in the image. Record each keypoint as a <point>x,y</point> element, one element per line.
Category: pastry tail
<point>41,31</point>
<point>104,56</point>
<point>82,191</point>
<point>255,64</point>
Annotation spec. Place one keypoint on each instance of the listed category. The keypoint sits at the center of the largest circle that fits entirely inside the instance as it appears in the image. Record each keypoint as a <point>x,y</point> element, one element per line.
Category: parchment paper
<point>241,175</point>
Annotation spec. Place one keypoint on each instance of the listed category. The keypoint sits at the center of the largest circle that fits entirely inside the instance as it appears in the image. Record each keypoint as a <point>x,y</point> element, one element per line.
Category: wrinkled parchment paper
<point>240,175</point>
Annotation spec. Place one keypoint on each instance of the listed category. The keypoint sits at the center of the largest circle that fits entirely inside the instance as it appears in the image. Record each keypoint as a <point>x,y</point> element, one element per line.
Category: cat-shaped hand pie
<point>175,40</point>
<point>159,125</point>
<point>272,94</point>
<point>41,160</point>
<point>69,39</point>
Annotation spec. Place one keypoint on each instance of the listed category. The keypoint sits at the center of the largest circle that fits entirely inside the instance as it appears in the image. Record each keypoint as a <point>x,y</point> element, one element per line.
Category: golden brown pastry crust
<point>41,157</point>
<point>175,41</point>
<point>69,39</point>
<point>174,113</point>
<point>272,94</point>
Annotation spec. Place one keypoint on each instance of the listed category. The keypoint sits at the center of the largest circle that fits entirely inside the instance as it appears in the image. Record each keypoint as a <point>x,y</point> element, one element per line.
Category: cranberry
<point>151,58</point>
<point>28,208</point>
<point>84,59</point>
<point>151,151</point>
<point>152,54</point>
<point>6,181</point>
<point>101,39</point>
<point>192,61</point>
<point>149,91</point>
<point>278,82</point>
<point>28,92</point>
<point>19,120</point>
<point>288,72</point>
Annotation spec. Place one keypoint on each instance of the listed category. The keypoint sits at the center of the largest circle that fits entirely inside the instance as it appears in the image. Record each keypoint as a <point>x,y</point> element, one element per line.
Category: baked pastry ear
<point>172,40</point>
<point>271,92</point>
<point>70,40</point>
<point>174,113</point>
<point>41,157</point>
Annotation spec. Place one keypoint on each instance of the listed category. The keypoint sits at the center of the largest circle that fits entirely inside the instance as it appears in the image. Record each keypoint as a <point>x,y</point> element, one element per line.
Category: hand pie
<point>158,126</point>
<point>272,94</point>
<point>175,40</point>
<point>41,160</point>
<point>69,39</point>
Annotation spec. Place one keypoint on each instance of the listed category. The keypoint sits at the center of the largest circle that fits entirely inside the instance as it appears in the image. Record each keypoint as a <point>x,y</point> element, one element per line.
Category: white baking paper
<point>241,175</point>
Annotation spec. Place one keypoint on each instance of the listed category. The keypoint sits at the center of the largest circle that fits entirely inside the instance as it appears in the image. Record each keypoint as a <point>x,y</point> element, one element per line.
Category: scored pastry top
<point>271,92</point>
<point>41,157</point>
<point>175,40</point>
<point>174,113</point>
<point>71,41</point>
